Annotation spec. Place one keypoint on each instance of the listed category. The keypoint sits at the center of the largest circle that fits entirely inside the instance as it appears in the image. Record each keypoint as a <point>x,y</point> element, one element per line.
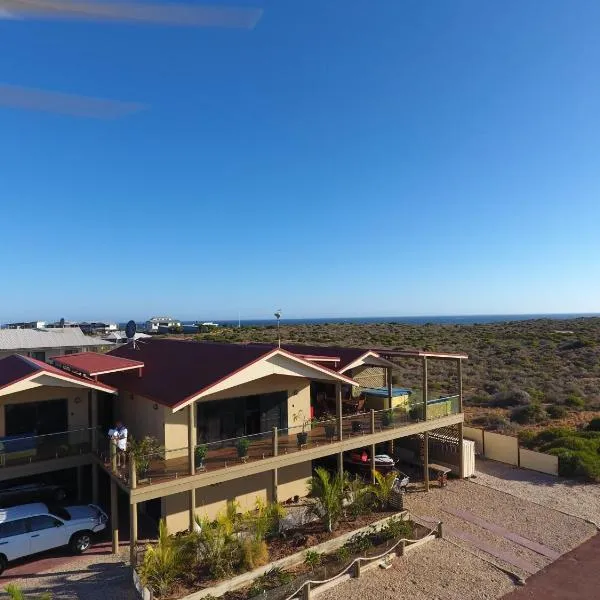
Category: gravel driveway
<point>580,499</point>
<point>491,524</point>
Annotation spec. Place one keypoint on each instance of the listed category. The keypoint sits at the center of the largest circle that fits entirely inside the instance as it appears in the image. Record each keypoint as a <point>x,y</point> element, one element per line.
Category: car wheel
<point>80,542</point>
<point>3,563</point>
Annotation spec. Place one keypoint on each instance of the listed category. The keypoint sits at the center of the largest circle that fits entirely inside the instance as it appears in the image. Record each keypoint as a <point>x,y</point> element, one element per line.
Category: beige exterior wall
<point>78,412</point>
<point>298,405</point>
<point>293,481</point>
<point>537,461</point>
<point>176,432</point>
<point>245,491</point>
<point>175,511</point>
<point>140,417</point>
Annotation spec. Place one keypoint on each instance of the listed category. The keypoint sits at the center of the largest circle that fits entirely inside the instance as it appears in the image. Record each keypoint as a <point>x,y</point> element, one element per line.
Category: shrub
<point>164,562</point>
<point>396,528</point>
<point>360,543</point>
<point>218,545</point>
<point>255,553</point>
<point>312,559</point>
<point>15,593</point>
<point>527,438</point>
<point>492,422</point>
<point>511,398</point>
<point>144,451</point>
<point>556,411</point>
<point>274,578</point>
<point>575,401</point>
<point>342,554</point>
<point>594,424</point>
<point>527,415</point>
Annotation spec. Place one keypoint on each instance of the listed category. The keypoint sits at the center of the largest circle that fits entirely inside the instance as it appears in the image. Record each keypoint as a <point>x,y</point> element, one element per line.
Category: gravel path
<point>581,499</point>
<point>94,578</point>
<point>436,571</point>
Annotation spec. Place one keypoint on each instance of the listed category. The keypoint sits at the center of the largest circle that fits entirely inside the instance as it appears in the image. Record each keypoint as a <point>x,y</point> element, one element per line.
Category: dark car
<point>31,492</point>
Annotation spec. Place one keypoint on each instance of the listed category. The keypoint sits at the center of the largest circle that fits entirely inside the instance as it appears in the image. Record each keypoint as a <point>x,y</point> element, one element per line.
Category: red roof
<point>344,355</point>
<point>16,367</point>
<point>94,363</point>
<point>176,370</point>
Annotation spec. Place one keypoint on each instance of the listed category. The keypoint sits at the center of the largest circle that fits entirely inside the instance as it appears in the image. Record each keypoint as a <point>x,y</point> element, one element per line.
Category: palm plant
<point>164,562</point>
<point>218,544</point>
<point>383,488</point>
<point>16,593</point>
<point>360,496</point>
<point>330,492</point>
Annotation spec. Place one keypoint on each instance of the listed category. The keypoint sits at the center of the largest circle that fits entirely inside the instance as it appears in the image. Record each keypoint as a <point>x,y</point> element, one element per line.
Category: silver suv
<point>31,528</point>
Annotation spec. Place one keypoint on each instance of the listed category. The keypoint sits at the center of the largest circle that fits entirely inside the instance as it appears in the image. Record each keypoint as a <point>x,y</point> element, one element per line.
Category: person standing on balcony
<point>118,436</point>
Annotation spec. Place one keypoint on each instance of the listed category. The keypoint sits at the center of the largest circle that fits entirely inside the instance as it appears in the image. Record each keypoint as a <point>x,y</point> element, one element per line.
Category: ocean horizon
<point>422,320</point>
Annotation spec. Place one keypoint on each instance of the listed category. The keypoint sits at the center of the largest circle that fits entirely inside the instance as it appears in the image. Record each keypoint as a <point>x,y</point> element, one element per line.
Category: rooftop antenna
<point>239,320</point>
<point>278,317</point>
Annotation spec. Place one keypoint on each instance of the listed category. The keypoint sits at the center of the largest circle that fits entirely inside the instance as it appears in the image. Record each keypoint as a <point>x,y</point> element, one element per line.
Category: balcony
<point>320,437</point>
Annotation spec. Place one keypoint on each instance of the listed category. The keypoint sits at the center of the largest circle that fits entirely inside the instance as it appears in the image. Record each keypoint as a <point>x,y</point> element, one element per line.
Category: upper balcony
<point>234,457</point>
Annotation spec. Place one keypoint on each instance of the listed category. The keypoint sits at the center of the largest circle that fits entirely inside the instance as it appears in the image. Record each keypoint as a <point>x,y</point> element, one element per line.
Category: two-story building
<point>257,415</point>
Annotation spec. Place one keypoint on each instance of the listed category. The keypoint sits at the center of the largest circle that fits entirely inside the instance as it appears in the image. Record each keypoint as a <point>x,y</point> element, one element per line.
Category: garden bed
<point>321,562</point>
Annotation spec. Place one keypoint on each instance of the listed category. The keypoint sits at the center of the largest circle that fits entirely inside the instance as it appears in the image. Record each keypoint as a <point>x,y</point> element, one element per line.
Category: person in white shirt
<point>118,436</point>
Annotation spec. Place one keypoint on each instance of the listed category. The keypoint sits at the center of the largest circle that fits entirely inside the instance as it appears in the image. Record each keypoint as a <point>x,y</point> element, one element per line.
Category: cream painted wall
<point>293,481</point>
<point>176,432</point>
<point>298,405</point>
<point>245,491</point>
<point>78,412</point>
<point>140,417</point>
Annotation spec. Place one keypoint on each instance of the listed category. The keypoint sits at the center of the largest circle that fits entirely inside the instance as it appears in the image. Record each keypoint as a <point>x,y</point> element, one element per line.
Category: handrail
<point>32,437</point>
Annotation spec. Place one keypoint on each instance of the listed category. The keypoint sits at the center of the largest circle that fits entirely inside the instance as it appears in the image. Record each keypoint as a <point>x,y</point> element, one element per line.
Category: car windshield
<point>60,512</point>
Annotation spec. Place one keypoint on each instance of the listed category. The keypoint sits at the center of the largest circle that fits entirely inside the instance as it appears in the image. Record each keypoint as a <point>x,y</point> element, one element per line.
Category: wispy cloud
<point>184,15</point>
<point>13,96</point>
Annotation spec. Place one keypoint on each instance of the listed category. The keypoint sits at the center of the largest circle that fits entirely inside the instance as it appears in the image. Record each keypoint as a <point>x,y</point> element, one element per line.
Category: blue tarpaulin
<point>382,391</point>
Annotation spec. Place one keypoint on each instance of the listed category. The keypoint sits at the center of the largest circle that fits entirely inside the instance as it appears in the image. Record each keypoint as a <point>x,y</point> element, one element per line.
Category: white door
<point>14,539</point>
<point>46,532</point>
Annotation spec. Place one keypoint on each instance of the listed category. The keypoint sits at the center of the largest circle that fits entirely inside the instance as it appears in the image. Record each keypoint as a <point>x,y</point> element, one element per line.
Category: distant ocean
<point>440,320</point>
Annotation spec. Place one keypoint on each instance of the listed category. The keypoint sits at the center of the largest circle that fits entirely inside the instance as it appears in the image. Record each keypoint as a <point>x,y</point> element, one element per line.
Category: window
<point>43,522</point>
<point>39,356</point>
<point>61,512</point>
<point>12,528</point>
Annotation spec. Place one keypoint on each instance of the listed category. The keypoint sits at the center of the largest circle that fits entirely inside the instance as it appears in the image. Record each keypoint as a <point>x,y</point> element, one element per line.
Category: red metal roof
<point>176,370</point>
<point>94,363</point>
<point>16,367</point>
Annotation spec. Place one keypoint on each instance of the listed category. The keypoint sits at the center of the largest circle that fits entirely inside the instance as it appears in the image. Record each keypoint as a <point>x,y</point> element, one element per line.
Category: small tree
<point>218,545</point>
<point>143,452</point>
<point>330,492</point>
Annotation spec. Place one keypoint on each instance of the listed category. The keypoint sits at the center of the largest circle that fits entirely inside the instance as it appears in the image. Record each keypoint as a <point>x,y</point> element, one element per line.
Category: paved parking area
<point>96,575</point>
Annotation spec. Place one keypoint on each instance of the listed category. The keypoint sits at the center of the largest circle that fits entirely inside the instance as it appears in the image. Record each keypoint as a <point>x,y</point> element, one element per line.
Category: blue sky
<point>361,157</point>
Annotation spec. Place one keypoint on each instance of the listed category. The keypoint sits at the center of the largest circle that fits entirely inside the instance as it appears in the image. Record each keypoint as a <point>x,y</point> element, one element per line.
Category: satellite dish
<point>62,322</point>
<point>130,329</point>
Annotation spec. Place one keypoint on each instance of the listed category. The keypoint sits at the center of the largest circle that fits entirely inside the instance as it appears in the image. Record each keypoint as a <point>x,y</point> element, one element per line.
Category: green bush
<point>312,559</point>
<point>342,554</point>
<point>528,415</point>
<point>527,438</point>
<point>575,401</point>
<point>397,528</point>
<point>274,578</point>
<point>511,398</point>
<point>556,411</point>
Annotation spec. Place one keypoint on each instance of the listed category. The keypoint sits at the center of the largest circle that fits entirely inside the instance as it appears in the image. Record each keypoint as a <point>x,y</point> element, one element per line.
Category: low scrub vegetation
<point>578,451</point>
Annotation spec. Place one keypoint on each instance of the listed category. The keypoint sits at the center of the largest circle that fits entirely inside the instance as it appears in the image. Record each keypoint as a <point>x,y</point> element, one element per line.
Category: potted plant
<point>387,417</point>
<point>329,431</point>
<point>143,452</point>
<point>302,436</point>
<point>199,456</point>
<point>242,446</point>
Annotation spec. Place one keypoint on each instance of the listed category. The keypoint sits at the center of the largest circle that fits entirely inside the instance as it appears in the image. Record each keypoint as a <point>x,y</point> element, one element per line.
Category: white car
<point>31,528</point>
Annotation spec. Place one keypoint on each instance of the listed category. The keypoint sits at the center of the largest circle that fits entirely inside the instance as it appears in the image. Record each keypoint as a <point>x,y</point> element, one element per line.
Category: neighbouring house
<point>26,325</point>
<point>44,344</point>
<point>97,327</point>
<point>161,324</point>
<point>234,421</point>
